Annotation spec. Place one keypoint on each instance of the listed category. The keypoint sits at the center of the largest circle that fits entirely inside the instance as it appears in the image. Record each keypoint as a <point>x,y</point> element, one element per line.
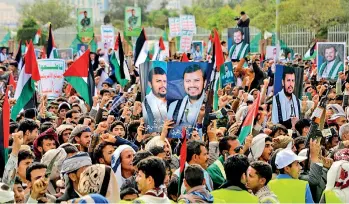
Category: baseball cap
<point>286,157</point>
<point>64,105</point>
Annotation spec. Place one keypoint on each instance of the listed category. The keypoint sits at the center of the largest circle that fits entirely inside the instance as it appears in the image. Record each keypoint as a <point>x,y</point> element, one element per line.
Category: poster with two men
<point>172,91</point>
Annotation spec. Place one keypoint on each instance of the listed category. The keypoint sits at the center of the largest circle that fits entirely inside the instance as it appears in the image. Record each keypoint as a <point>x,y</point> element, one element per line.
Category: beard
<point>286,93</point>
<point>160,95</point>
<point>195,97</point>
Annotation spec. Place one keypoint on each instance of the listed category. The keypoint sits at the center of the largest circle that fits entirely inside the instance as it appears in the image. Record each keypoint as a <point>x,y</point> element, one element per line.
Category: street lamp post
<point>277,26</point>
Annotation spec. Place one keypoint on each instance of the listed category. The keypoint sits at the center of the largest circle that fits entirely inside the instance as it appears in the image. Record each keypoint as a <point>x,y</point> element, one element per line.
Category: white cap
<point>286,157</point>
<point>303,153</point>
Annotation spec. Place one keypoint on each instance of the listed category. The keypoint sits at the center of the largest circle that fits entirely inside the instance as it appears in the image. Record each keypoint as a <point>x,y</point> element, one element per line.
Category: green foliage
<point>315,15</point>
<point>44,11</point>
<point>28,30</point>
<point>261,13</point>
<point>224,18</point>
<point>159,18</point>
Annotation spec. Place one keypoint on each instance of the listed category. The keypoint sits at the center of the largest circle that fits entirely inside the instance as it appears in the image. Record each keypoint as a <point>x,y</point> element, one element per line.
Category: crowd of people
<point>64,151</point>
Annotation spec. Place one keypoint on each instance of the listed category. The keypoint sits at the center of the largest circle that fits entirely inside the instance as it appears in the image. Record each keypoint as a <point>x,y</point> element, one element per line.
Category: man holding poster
<point>155,104</point>
<point>186,110</point>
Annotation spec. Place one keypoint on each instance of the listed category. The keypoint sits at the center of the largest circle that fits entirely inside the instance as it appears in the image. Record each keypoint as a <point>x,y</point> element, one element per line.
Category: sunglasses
<point>237,149</point>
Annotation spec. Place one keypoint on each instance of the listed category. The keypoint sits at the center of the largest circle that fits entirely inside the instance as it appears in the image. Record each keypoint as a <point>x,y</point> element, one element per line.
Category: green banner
<point>133,22</point>
<point>85,24</point>
<point>77,43</point>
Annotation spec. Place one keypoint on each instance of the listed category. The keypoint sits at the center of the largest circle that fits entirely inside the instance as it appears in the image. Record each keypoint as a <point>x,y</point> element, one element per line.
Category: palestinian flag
<point>219,58</point>
<point>25,86</point>
<point>184,57</point>
<point>158,56</point>
<point>182,160</point>
<point>141,51</point>
<point>209,44</point>
<point>19,58</point>
<point>247,125</point>
<point>37,37</point>
<point>77,74</point>
<point>51,46</point>
<point>122,74</point>
<point>4,132</point>
<point>216,87</point>
<point>11,81</point>
<point>311,53</point>
<point>219,61</point>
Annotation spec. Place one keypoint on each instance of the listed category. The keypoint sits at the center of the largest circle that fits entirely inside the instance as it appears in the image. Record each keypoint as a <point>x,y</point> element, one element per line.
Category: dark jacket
<point>68,194</point>
<point>317,179</point>
<point>245,23</point>
<point>258,77</point>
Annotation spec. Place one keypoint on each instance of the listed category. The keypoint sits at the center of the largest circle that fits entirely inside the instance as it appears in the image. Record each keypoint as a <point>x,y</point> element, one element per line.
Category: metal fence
<point>339,33</point>
<point>296,38</point>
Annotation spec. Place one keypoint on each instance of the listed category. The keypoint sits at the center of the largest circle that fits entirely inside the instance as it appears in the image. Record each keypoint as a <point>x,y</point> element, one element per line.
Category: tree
<point>261,13</point>
<point>222,19</point>
<point>44,11</point>
<point>316,15</point>
<point>201,14</point>
<point>28,31</point>
<point>117,10</point>
<point>159,18</point>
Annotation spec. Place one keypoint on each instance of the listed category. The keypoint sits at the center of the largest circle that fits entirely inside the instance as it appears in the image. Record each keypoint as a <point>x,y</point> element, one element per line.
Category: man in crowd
<point>38,184</point>
<point>234,190</point>
<point>194,183</point>
<point>81,135</point>
<point>228,146</point>
<point>287,181</point>
<point>151,175</point>
<point>259,174</point>
<point>197,154</point>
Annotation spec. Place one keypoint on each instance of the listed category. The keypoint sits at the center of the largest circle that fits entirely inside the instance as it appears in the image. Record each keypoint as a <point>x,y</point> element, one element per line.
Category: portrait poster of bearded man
<point>186,84</point>
<point>288,83</point>
<point>330,60</point>
<point>154,89</point>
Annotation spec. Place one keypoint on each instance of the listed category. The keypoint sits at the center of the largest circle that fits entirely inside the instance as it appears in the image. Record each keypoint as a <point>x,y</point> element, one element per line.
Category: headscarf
<point>50,132</point>
<point>116,163</point>
<point>49,155</point>
<point>157,141</point>
<point>282,141</point>
<point>100,178</point>
<point>63,128</point>
<point>338,180</point>
<point>6,194</point>
<point>342,154</point>
<point>74,163</point>
<point>93,198</point>
<point>257,146</point>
